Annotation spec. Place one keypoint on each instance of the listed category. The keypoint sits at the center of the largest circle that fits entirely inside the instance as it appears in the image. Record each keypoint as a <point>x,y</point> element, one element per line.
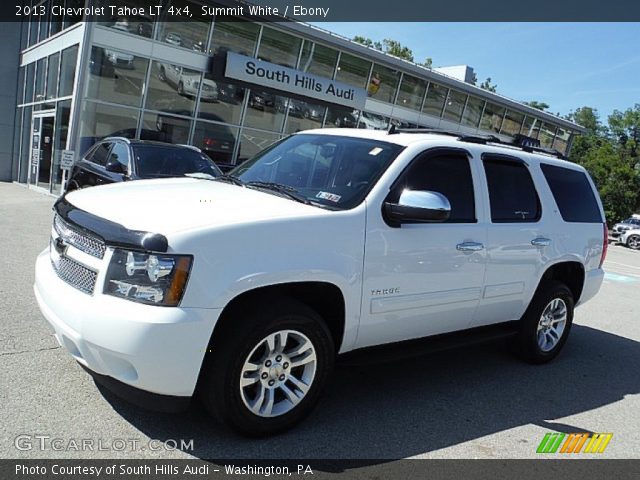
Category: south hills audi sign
<point>266,74</point>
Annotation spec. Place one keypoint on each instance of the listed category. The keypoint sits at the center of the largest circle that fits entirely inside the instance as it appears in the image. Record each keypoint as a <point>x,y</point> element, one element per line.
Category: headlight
<point>152,278</point>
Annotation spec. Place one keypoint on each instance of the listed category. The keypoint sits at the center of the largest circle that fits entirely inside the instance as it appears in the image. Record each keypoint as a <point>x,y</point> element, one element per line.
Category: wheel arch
<point>325,298</point>
<point>569,272</point>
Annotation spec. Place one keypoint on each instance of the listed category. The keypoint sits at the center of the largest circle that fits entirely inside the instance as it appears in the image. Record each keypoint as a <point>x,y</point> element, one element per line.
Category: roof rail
<point>481,139</point>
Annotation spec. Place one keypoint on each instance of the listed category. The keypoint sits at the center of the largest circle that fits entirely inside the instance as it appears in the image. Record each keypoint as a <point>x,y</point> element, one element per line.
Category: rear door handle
<point>541,242</point>
<point>469,246</point>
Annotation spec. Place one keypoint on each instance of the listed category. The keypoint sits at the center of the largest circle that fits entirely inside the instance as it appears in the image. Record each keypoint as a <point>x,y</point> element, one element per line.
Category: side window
<point>512,194</point>
<point>445,173</point>
<point>120,152</point>
<point>573,193</point>
<point>100,154</point>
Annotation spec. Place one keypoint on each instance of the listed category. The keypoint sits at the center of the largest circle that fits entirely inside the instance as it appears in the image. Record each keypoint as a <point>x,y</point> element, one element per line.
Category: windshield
<point>328,170</point>
<point>158,161</point>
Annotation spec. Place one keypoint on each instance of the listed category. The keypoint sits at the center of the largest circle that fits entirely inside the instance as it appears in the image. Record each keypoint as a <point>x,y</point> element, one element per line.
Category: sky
<point>566,65</point>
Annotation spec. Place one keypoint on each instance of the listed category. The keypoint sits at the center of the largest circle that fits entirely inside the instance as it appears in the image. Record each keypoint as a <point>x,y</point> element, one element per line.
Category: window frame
<point>589,184</point>
<point>501,157</point>
<point>438,151</point>
<point>129,158</point>
<point>94,149</point>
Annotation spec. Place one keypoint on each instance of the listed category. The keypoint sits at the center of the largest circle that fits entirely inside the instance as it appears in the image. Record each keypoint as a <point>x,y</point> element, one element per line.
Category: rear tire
<point>258,385</point>
<point>545,326</point>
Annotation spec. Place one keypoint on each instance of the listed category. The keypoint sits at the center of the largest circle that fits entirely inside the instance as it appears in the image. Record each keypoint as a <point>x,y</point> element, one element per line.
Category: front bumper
<point>156,349</point>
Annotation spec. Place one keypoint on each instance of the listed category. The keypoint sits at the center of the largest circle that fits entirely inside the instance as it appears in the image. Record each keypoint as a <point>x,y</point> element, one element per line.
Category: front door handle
<point>541,242</point>
<point>469,246</point>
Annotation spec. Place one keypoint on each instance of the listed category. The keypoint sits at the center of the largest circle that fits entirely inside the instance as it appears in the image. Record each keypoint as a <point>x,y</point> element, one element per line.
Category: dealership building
<point>229,87</point>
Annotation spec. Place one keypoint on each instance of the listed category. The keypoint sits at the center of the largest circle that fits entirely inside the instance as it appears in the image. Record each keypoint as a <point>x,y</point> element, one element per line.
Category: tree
<point>367,42</point>
<point>609,159</point>
<point>625,126</point>
<point>617,180</point>
<point>392,47</point>
<point>588,118</point>
<point>487,85</point>
<point>536,104</point>
<point>395,48</point>
<point>428,62</point>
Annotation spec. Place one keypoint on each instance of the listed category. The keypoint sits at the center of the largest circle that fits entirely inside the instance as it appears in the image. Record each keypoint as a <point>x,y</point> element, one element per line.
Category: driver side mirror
<point>417,206</point>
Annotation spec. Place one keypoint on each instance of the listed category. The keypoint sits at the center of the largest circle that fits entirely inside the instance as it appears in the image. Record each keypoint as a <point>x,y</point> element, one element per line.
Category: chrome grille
<point>87,244</point>
<point>75,274</point>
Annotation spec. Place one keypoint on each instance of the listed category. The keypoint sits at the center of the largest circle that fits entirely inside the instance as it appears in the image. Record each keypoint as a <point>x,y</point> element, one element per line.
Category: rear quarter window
<point>573,194</point>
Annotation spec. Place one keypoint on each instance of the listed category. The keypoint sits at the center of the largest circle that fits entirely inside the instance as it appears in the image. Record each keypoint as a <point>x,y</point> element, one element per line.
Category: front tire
<point>265,374</point>
<point>546,324</point>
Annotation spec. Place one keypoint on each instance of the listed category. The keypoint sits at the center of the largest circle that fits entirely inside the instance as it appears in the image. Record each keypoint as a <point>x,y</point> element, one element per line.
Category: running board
<point>414,348</point>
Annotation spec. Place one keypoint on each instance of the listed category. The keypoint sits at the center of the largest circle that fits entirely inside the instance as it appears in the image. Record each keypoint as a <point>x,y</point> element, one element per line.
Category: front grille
<point>87,244</point>
<point>75,274</point>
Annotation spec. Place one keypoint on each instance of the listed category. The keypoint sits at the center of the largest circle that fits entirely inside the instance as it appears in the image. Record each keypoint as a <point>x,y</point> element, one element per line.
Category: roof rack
<point>522,142</point>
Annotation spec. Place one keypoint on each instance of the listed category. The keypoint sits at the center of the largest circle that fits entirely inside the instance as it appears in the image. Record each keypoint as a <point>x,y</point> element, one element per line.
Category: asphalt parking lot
<point>474,403</point>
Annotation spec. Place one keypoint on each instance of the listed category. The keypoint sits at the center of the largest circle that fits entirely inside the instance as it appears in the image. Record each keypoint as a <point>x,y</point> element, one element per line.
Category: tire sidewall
<point>226,369</point>
<point>529,329</point>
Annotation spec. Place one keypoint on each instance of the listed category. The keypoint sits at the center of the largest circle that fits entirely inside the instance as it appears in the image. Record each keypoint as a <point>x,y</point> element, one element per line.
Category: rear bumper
<point>592,283</point>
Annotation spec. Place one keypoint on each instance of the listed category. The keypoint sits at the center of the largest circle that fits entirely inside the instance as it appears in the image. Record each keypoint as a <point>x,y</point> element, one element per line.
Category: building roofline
<point>331,38</point>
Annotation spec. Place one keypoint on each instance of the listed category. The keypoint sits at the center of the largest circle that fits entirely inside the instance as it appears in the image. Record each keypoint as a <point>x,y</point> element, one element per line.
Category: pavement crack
<point>3,354</point>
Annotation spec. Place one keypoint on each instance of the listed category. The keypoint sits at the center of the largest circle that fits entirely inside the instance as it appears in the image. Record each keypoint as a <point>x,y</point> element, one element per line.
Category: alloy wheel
<point>278,373</point>
<point>552,324</point>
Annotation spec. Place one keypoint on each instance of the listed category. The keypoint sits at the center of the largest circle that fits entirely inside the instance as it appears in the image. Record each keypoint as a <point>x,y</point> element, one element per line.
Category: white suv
<point>244,289</point>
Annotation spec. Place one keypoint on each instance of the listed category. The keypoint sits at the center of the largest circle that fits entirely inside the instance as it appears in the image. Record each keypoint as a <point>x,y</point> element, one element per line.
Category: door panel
<point>513,261</point>
<point>417,280</point>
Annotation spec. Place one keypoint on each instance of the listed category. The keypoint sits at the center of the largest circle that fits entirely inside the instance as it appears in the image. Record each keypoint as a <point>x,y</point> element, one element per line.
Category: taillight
<point>605,244</point>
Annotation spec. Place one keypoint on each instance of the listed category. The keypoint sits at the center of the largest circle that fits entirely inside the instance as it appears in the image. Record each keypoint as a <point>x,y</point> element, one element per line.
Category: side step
<point>422,346</point>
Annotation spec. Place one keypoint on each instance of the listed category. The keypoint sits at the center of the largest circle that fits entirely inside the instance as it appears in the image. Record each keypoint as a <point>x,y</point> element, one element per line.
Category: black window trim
<point>433,151</point>
<point>502,157</point>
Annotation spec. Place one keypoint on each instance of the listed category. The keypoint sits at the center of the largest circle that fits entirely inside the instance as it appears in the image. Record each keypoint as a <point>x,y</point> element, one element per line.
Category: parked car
<point>173,38</point>
<point>117,58</point>
<point>631,238</point>
<point>618,229</point>
<point>187,83</point>
<point>245,288</point>
<point>119,159</point>
<point>261,100</point>
<point>342,119</point>
<point>99,65</point>
<point>301,109</point>
<point>215,140</point>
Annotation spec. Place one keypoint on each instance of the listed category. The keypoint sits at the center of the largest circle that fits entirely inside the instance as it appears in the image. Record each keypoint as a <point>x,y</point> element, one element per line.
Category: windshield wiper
<point>230,179</point>
<point>280,188</point>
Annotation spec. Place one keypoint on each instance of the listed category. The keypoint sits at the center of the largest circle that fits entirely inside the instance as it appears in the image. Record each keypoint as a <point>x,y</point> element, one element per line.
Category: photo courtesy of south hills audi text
<point>96,471</point>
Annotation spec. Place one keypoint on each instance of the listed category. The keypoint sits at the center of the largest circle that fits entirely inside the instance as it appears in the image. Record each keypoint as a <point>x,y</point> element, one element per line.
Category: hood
<point>171,205</point>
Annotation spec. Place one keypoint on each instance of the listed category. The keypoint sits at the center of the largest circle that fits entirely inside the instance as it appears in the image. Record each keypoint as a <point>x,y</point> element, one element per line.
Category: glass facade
<point>434,101</point>
<point>154,95</point>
